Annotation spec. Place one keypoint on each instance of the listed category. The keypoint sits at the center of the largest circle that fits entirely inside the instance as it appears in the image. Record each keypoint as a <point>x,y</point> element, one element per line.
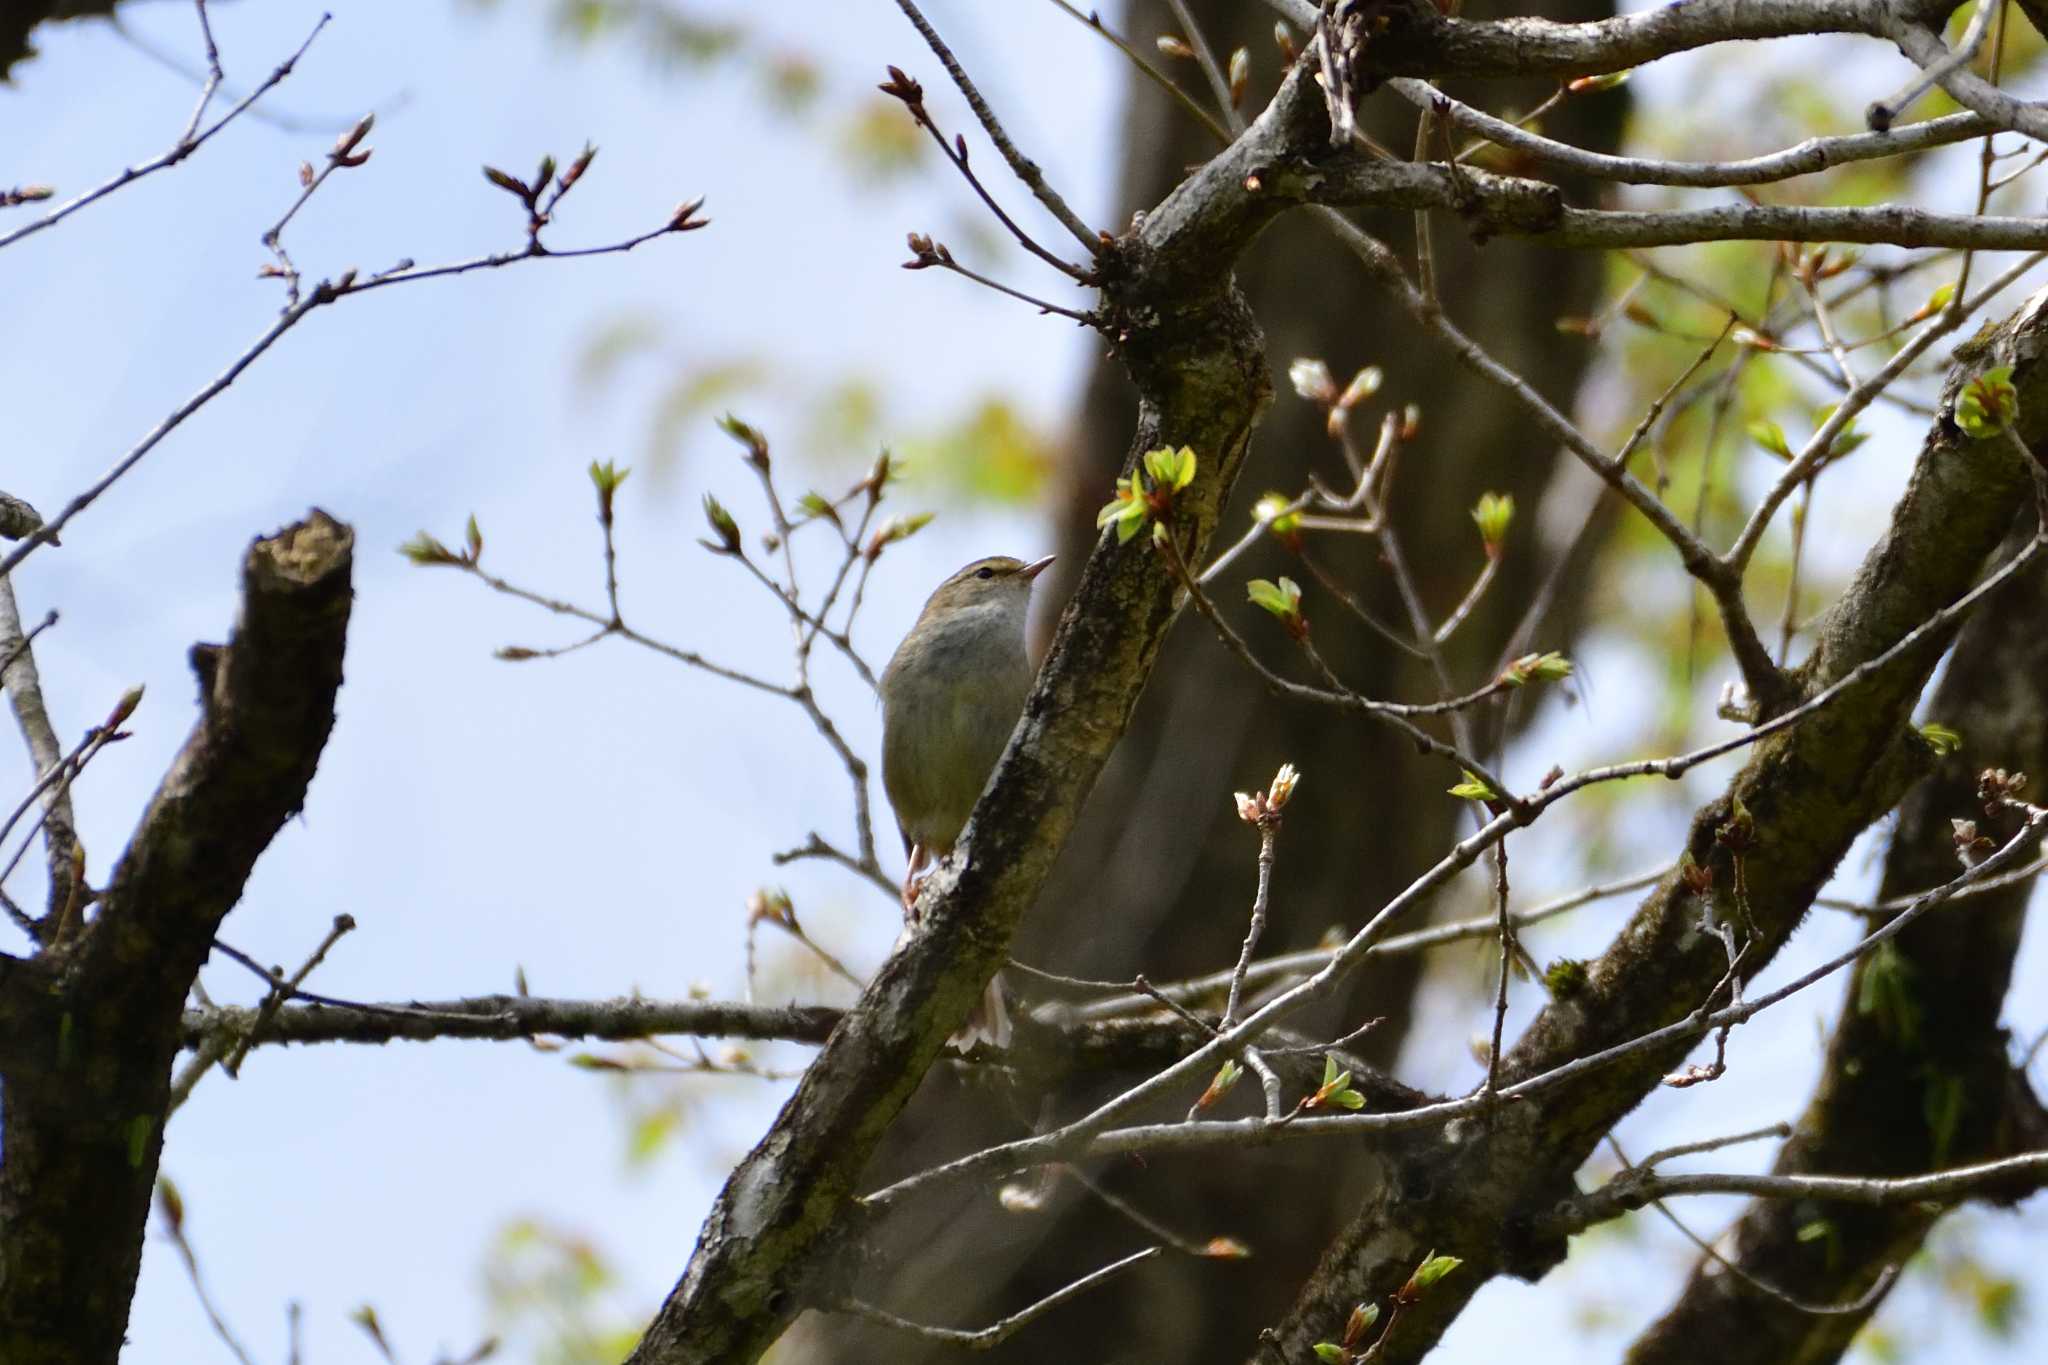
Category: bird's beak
<point>1032,570</point>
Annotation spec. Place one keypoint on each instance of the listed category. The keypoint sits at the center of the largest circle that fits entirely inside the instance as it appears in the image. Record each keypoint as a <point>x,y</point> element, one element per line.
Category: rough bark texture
<point>1476,1190</point>
<point>1195,354</point>
<point>1918,1075</point>
<point>1159,874</point>
<point>97,1016</point>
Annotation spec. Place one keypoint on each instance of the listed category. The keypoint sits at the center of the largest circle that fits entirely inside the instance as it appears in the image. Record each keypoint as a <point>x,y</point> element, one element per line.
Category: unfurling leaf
<point>424,549</point>
<point>1493,514</point>
<point>753,440</point>
<point>606,477</point>
<point>508,183</point>
<point>1360,1322</point>
<point>1771,437</point>
<point>895,529</point>
<point>722,525</point>
<point>1474,788</point>
<point>1549,666</point>
<point>1987,404</point>
<point>1227,1076</point>
<point>1432,1270</point>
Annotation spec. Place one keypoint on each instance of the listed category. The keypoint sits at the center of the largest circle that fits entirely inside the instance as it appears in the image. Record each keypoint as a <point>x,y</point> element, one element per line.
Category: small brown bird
<point>951,696</point>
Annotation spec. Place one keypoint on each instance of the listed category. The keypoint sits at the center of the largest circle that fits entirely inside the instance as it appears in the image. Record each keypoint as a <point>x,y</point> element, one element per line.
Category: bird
<point>951,695</point>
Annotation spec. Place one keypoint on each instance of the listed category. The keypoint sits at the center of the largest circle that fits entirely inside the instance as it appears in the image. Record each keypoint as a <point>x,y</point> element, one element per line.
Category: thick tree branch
<point>1807,791</point>
<point>2008,1179</point>
<point>501,1017</point>
<point>1917,1072</point>
<point>86,1094</point>
<point>1814,155</point>
<point>1419,41</point>
<point>1196,356</point>
<point>1499,205</point>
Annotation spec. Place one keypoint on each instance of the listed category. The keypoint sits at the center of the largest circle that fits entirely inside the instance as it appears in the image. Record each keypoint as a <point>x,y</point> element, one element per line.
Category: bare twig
<point>284,990</point>
<point>171,1210</point>
<point>322,294</point>
<point>996,1333</point>
<point>1024,169</point>
<point>188,141</point>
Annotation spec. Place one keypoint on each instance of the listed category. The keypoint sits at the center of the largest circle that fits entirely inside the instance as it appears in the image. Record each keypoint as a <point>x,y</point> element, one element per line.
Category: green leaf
<point>1987,404</point>
<point>425,550</point>
<point>473,538</point>
<point>1549,666</point>
<point>650,1132</point>
<point>1169,468</point>
<point>1474,788</point>
<point>1348,1099</point>
<point>1492,514</point>
<point>722,525</point>
<point>1329,1069</point>
<point>895,529</point>
<point>1941,739</point>
<point>1283,599</point>
<point>1330,1350</point>
<point>1434,1269</point>
<point>509,184</point>
<point>1227,1076</point>
<point>753,440</point>
<point>1771,437</point>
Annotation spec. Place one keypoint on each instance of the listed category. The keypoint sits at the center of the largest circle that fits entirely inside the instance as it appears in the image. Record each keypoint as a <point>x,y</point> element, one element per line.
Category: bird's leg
<point>918,858</point>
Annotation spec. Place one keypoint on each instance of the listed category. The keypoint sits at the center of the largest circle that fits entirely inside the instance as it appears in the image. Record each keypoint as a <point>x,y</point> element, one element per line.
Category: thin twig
<point>1205,58</point>
<point>1021,167</point>
<point>996,1333</point>
<point>171,1209</point>
<point>1269,831</point>
<point>187,143</point>
<point>284,989</point>
<point>1152,73</point>
<point>324,293</point>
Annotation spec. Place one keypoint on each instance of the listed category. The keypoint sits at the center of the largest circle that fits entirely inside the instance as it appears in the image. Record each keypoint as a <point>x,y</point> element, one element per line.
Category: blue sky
<point>598,820</point>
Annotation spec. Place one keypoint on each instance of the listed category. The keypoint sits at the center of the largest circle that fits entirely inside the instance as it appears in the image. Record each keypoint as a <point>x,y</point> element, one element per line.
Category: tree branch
<point>1192,347</point>
<point>1917,1074</point>
<point>86,1094</point>
<point>1808,790</point>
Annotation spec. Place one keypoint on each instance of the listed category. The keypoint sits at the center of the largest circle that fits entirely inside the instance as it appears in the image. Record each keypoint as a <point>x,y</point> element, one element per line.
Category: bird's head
<point>998,581</point>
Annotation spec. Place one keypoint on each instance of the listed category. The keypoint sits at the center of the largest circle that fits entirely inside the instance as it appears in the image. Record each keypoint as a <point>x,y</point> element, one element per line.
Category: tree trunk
<point>1159,875</point>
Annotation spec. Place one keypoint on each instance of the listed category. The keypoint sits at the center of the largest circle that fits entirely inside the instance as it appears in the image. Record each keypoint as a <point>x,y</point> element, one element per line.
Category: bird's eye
<point>984,573</point>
